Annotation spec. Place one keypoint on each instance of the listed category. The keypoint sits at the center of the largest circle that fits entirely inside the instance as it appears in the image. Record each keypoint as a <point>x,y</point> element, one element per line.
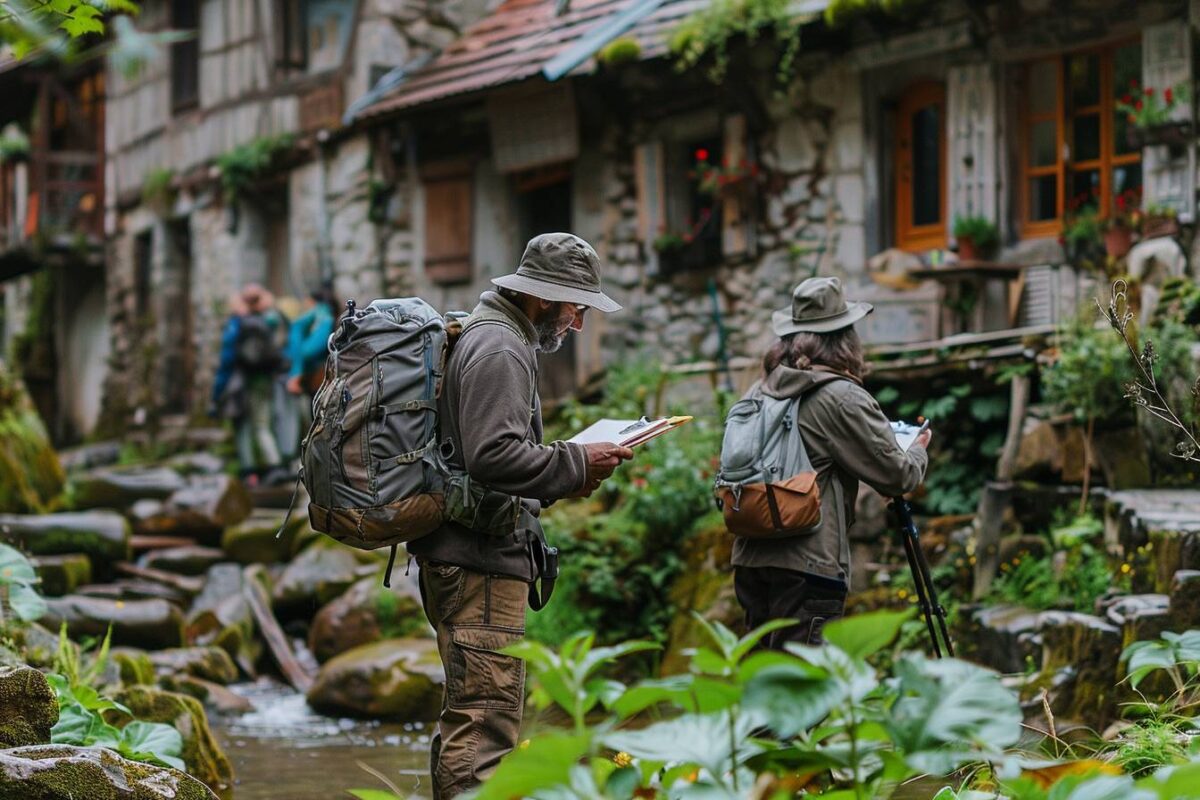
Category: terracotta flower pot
<point>1118,240</point>
<point>967,251</point>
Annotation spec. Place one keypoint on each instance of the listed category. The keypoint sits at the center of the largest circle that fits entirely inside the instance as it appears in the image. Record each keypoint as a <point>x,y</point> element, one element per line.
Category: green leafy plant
<point>156,188</point>
<point>69,660</point>
<point>706,35</point>
<point>13,145</point>
<point>1147,107</point>
<point>81,722</point>
<point>842,13</point>
<point>32,26</point>
<point>245,164</point>
<point>18,580</point>
<point>980,231</point>
<point>622,50</point>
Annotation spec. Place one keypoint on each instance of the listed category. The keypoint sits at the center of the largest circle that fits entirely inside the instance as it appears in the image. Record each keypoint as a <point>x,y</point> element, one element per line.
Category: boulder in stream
<point>321,572</point>
<point>201,752</point>
<point>259,539</point>
<point>206,506</point>
<point>367,612</point>
<point>152,624</point>
<point>210,663</point>
<point>190,560</point>
<point>397,679</point>
<point>102,535</point>
<point>28,707</point>
<point>221,616</point>
<point>65,772</point>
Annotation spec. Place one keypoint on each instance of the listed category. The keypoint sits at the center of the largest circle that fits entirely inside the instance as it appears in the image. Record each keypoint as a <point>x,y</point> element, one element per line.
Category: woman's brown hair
<point>840,350</point>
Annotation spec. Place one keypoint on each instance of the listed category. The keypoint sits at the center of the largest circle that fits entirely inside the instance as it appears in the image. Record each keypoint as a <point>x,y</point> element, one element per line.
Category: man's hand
<point>293,384</point>
<point>603,458</point>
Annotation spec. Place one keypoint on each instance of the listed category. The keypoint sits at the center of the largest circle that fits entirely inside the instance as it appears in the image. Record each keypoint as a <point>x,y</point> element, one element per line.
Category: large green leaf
<point>15,567</point>
<point>26,603</point>
<point>694,693</point>
<point>864,635</point>
<point>1174,783</point>
<point>791,698</point>
<point>949,711</point>
<point>855,678</point>
<point>163,742</point>
<point>702,739</point>
<point>545,762</point>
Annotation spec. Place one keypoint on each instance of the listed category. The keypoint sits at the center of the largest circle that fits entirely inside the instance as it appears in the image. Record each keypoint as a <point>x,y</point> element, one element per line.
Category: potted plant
<point>1150,116</point>
<point>724,179</point>
<point>1159,221</point>
<point>1082,235</point>
<point>976,236</point>
<point>1120,225</point>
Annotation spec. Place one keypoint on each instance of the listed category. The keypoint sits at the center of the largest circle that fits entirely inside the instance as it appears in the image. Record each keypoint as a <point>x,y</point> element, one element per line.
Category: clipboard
<point>628,432</point>
<point>907,434</point>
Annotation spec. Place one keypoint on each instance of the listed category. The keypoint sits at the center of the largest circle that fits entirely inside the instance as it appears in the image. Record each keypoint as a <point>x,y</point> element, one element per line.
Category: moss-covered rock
<point>28,707</point>
<point>62,574</point>
<point>214,696</point>
<point>201,752</point>
<point>1002,637</point>
<point>151,624</point>
<point>398,679</point>
<point>189,560</point>
<point>207,505</point>
<point>36,645</point>
<point>102,535</point>
<point>1185,600</point>
<point>254,540</point>
<point>1079,666</point>
<point>367,612</point>
<point>65,772</point>
<point>31,478</point>
<point>320,573</point>
<point>221,616</point>
<point>134,666</point>
<point>119,487</point>
<point>211,663</point>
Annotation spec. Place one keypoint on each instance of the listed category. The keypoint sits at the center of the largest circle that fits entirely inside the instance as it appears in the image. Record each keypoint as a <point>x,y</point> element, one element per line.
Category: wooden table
<point>976,274</point>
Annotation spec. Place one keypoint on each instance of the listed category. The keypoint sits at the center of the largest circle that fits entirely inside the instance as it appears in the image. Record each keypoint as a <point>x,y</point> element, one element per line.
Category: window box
<point>1172,134</point>
<point>1155,226</point>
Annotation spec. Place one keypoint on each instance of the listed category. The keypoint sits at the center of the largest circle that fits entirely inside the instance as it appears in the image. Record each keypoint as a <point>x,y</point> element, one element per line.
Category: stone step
<point>141,544</point>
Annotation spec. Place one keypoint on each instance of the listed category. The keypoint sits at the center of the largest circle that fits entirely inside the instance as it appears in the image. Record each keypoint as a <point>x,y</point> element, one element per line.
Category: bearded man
<point>475,586</point>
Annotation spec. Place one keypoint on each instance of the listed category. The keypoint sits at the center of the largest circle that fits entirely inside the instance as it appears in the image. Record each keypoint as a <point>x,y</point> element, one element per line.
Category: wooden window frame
<point>1064,168</point>
<point>919,237</point>
<point>291,36</point>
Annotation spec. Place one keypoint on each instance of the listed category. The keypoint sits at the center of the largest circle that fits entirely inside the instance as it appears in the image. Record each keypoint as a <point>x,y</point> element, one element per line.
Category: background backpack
<point>766,486</point>
<point>372,461</point>
<point>257,347</point>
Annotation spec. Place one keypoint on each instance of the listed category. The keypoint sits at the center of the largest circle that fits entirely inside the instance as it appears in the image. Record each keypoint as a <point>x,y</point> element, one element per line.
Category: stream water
<point>282,750</point>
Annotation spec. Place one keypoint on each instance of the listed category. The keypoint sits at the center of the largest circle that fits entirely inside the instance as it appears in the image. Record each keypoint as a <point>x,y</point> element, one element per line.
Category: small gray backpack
<point>372,462</point>
<point>766,486</point>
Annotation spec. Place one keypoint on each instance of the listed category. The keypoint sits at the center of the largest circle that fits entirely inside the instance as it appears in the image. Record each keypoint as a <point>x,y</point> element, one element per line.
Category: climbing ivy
<point>842,13</point>
<point>245,164</point>
<point>705,36</point>
<point>156,188</point>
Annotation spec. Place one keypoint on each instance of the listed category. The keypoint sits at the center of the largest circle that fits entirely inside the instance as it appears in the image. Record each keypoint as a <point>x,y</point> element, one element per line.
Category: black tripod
<point>926,595</point>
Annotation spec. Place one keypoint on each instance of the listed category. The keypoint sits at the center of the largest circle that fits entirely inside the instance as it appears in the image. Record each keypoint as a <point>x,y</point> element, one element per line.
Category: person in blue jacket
<point>308,341</point>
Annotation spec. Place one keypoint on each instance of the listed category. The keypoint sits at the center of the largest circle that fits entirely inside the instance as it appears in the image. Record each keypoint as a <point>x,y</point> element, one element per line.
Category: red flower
<point>1126,99</point>
<point>1138,105</point>
<point>702,154</point>
<point>1168,95</point>
<point>1121,201</point>
<point>1149,91</point>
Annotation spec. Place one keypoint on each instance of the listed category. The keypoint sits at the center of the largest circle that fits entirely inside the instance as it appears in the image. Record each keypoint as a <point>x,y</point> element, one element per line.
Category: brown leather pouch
<point>773,510</point>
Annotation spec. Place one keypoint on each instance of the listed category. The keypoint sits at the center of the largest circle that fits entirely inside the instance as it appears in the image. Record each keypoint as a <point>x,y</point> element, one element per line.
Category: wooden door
<point>921,167</point>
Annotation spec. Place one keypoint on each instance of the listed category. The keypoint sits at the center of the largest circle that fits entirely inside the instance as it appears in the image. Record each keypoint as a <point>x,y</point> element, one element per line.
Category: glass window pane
<point>1043,87</point>
<point>1086,137</point>
<point>1084,189</point>
<point>1127,181</point>
<point>1043,198</point>
<point>926,153</point>
<point>1043,149</point>
<point>1127,80</point>
<point>1083,78</point>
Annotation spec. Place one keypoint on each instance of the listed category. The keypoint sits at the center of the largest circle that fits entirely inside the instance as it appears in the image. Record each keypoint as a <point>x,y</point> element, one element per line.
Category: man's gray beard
<point>549,341</point>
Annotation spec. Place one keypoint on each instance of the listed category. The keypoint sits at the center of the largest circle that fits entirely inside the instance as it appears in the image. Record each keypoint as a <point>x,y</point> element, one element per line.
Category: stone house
<point>226,164</point>
<point>708,200</point>
<point>52,320</point>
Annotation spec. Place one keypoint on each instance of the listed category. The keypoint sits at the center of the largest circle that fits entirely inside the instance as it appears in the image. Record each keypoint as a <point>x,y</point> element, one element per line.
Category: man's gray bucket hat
<point>818,306</point>
<point>561,268</point>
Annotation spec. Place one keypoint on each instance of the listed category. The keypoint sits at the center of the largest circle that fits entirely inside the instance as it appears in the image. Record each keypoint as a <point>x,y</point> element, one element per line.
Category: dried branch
<point>1144,392</point>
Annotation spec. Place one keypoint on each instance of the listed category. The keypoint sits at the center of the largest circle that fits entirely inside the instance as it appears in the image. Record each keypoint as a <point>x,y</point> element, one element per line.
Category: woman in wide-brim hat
<point>818,360</point>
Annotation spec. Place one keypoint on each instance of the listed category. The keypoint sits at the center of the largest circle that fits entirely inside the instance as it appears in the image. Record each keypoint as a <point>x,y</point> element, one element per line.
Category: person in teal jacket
<point>308,341</point>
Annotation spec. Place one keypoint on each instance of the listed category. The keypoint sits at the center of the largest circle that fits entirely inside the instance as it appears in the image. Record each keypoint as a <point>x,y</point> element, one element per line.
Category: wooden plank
<point>187,584</point>
<point>140,544</point>
<point>260,606</point>
<point>963,340</point>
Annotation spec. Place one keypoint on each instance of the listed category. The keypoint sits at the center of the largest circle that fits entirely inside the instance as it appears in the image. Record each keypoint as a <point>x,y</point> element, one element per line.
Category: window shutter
<point>737,234</point>
<point>1167,61</point>
<point>651,190</point>
<point>971,128</point>
<point>448,222</point>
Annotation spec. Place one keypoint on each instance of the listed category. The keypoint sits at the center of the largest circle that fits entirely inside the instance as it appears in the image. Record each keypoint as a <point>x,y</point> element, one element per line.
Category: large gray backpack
<point>766,486</point>
<point>372,461</point>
